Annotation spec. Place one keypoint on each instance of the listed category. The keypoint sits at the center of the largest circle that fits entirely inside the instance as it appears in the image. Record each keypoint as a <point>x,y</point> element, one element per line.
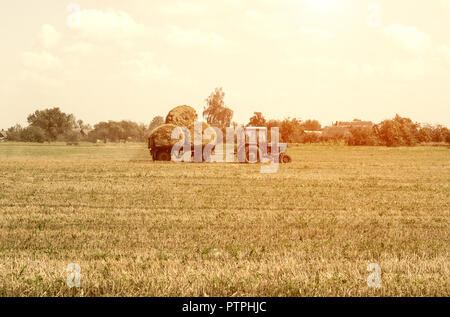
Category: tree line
<point>52,124</point>
<point>398,131</point>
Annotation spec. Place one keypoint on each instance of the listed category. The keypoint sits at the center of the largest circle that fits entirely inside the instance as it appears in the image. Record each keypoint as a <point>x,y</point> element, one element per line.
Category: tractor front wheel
<point>284,158</point>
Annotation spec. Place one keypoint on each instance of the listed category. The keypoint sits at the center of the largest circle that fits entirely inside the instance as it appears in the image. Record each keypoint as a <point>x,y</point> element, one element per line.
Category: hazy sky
<point>321,59</point>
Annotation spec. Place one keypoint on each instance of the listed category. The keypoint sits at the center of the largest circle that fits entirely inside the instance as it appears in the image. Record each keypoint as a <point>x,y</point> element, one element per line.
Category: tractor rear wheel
<point>285,159</point>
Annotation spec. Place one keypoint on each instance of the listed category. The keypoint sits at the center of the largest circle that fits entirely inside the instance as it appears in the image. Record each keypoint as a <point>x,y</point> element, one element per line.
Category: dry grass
<point>139,228</point>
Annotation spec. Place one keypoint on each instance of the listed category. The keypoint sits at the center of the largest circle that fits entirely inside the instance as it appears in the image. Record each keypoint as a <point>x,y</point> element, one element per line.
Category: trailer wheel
<point>163,156</point>
<point>240,148</point>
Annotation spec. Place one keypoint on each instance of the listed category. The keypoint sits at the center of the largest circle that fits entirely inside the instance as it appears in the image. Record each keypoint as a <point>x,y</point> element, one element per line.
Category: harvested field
<point>143,228</point>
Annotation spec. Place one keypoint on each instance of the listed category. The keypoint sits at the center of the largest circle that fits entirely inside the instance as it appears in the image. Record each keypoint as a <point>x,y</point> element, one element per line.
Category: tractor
<point>257,149</point>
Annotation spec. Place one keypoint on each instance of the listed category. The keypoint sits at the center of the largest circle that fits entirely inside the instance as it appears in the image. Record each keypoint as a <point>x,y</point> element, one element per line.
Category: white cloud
<point>263,24</point>
<point>322,5</point>
<point>39,79</point>
<point>143,67</point>
<point>193,37</point>
<point>41,61</point>
<point>184,8</point>
<point>48,36</point>
<point>317,62</point>
<point>368,70</point>
<point>444,53</point>
<point>352,70</point>
<point>110,24</point>
<point>408,69</point>
<point>99,30</point>
<point>274,26</point>
<point>360,71</point>
<point>445,4</point>
<point>254,15</point>
<point>409,38</point>
<point>41,69</point>
<point>80,47</point>
<point>315,35</point>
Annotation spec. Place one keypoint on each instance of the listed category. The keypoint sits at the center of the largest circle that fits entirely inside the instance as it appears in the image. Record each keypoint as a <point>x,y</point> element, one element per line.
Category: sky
<point>330,60</point>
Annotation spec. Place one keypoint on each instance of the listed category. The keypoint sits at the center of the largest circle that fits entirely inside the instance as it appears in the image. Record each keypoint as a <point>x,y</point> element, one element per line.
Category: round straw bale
<point>204,127</point>
<point>162,136</point>
<point>182,116</point>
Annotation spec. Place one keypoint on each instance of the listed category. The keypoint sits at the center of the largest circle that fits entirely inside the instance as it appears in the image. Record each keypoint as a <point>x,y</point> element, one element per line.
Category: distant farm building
<point>342,128</point>
<point>318,133</point>
<point>354,124</point>
<point>3,136</point>
<point>82,131</point>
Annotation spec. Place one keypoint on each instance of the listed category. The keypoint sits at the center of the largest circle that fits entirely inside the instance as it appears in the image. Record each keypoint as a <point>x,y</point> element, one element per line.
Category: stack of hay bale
<point>161,137</point>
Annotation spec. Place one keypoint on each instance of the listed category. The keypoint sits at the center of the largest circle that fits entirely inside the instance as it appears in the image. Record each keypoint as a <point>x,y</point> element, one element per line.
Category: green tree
<point>389,131</point>
<point>290,130</point>
<point>215,111</point>
<point>53,121</point>
<point>398,132</point>
<point>311,125</point>
<point>310,138</point>
<point>438,133</point>
<point>361,136</point>
<point>257,120</point>
<point>14,133</point>
<point>33,134</point>
<point>118,130</point>
<point>425,134</point>
<point>156,122</point>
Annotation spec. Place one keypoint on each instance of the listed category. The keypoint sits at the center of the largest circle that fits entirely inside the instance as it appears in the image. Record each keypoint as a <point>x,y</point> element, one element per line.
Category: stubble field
<point>140,228</point>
